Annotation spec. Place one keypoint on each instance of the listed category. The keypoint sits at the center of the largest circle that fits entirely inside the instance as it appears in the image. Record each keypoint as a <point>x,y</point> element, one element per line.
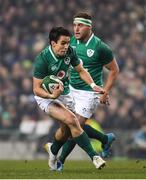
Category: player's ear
<point>53,43</point>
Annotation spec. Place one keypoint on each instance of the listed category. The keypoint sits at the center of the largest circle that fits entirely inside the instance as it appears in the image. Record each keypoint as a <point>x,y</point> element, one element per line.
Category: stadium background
<point>24,27</point>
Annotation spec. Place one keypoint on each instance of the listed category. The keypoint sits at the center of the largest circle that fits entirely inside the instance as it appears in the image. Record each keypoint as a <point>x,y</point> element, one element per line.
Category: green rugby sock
<point>93,133</point>
<point>66,149</point>
<point>84,142</point>
<point>56,146</point>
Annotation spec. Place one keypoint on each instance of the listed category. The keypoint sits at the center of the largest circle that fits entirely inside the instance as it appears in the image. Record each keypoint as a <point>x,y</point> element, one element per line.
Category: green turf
<point>124,169</point>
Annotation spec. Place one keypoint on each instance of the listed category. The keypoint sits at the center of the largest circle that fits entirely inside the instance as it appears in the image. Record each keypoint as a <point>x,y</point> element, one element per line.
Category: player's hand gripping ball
<point>50,83</point>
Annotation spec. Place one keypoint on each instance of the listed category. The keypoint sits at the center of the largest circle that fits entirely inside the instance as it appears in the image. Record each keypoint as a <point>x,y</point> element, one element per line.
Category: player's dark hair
<point>56,32</point>
<point>83,15</point>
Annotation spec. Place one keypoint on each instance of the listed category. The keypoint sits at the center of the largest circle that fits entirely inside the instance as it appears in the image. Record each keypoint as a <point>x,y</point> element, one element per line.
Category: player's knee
<point>72,121</point>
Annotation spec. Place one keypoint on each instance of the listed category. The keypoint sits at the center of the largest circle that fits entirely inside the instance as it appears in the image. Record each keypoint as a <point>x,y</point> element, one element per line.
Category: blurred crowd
<point>24,28</point>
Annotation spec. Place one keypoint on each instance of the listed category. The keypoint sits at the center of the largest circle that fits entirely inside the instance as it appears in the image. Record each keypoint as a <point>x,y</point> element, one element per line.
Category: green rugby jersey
<point>46,63</point>
<point>94,54</point>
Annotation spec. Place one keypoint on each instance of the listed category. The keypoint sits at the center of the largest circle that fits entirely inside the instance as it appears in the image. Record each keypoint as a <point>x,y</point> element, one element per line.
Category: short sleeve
<point>74,60</point>
<point>106,54</point>
<point>40,67</point>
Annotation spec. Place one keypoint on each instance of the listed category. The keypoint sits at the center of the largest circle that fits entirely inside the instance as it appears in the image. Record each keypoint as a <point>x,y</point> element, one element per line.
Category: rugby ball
<point>50,83</point>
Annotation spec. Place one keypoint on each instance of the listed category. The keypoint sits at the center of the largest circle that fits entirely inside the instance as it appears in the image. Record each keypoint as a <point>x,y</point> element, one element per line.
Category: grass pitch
<point>125,169</point>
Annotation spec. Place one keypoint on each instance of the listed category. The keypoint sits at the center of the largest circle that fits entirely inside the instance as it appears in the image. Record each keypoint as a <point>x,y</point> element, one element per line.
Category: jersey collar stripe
<point>89,40</point>
<point>52,53</point>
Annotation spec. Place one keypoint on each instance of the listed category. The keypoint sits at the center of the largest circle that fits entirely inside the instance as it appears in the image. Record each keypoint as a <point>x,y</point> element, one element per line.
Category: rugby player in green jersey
<point>94,55</point>
<point>56,59</point>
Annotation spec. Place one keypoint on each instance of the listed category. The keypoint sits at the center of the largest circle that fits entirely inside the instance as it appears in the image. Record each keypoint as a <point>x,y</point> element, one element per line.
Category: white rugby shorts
<point>86,102</point>
<point>66,100</point>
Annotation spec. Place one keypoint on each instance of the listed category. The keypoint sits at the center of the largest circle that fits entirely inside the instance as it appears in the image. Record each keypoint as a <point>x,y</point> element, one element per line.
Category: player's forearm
<point>112,76</point>
<point>85,76</point>
<point>41,93</point>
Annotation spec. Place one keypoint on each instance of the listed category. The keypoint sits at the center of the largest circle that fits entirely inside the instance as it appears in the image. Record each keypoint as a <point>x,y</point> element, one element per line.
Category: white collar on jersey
<point>50,49</point>
<point>88,40</point>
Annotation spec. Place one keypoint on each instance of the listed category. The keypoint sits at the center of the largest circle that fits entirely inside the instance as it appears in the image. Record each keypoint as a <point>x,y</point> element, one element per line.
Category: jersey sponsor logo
<point>90,52</point>
<point>67,60</point>
<point>61,74</point>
